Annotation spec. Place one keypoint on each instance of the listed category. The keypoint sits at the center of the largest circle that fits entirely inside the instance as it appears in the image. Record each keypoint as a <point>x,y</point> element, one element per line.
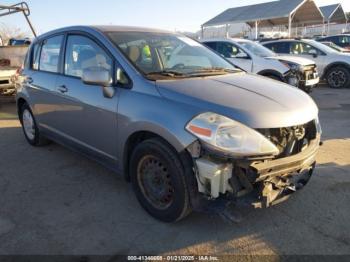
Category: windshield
<point>257,49</point>
<point>159,55</point>
<point>334,46</point>
<point>321,46</point>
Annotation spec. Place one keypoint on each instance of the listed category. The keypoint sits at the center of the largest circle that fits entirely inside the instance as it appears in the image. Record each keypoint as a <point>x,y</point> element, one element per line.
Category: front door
<point>86,117</point>
<point>235,55</point>
<point>308,51</point>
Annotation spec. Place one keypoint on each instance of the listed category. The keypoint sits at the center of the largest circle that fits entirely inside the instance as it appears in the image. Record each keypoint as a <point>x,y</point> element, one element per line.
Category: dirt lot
<point>53,201</point>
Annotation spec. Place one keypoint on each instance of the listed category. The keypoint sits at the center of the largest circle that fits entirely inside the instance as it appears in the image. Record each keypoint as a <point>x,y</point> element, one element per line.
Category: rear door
<point>86,117</point>
<point>41,76</point>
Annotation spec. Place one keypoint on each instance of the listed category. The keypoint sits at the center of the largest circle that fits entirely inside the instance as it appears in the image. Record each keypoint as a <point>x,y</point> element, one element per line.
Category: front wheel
<point>307,89</point>
<point>158,179</point>
<point>338,77</point>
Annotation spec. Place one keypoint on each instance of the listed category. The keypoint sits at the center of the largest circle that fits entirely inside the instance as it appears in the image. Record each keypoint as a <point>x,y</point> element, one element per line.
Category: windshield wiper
<point>213,71</point>
<point>169,73</point>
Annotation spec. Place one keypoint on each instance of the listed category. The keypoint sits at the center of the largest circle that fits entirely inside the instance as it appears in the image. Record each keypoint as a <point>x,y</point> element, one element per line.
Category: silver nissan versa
<point>187,128</point>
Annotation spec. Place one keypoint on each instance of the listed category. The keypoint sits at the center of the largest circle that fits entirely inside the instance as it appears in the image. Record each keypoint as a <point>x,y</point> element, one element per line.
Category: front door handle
<point>63,89</point>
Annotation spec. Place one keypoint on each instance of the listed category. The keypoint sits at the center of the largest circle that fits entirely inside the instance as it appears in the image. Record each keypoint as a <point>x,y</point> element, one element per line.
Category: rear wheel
<point>338,77</point>
<point>158,179</point>
<point>30,128</point>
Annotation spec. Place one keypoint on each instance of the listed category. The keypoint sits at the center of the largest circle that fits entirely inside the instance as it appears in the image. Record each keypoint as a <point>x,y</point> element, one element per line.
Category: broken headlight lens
<point>230,136</point>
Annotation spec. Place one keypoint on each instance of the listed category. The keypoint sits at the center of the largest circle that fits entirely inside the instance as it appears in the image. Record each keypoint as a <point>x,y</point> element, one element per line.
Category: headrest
<point>134,53</point>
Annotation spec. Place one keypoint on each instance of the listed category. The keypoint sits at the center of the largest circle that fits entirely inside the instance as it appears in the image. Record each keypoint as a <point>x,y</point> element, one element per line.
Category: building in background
<point>277,19</point>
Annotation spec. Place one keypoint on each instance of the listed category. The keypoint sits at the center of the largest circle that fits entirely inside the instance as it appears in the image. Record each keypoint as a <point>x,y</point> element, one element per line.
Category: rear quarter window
<point>35,57</point>
<point>211,45</point>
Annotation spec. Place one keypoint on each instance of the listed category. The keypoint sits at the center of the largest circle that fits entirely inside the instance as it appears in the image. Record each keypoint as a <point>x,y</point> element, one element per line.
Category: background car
<point>332,65</point>
<point>255,58</point>
<point>342,40</point>
<point>336,47</point>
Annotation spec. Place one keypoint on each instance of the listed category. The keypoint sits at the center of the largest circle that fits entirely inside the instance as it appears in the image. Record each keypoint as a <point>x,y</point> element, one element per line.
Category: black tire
<point>155,160</point>
<point>308,89</point>
<point>37,139</point>
<point>338,77</point>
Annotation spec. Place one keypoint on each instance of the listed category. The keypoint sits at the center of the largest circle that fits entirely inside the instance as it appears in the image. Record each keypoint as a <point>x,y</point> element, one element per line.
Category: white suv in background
<point>255,58</point>
<point>333,66</point>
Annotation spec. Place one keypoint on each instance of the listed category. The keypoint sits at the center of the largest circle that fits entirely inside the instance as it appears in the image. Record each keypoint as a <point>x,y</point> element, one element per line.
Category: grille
<point>291,140</point>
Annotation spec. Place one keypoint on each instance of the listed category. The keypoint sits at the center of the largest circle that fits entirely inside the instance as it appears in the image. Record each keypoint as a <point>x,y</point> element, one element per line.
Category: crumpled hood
<point>293,59</point>
<point>253,100</point>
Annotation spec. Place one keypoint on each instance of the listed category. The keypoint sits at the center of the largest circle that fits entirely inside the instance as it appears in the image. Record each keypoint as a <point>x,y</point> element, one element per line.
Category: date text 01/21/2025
<point>172,258</point>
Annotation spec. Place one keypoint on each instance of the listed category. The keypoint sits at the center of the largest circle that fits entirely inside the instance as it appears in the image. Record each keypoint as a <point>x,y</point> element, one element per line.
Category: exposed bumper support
<point>257,183</point>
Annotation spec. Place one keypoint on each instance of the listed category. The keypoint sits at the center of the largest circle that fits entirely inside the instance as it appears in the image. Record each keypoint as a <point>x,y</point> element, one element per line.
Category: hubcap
<point>337,78</point>
<point>28,124</point>
<point>155,182</point>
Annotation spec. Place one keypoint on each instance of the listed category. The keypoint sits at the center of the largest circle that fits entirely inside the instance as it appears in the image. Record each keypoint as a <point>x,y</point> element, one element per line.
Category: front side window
<point>168,55</point>
<point>229,50</point>
<point>257,49</point>
<point>50,54</point>
<point>344,41</point>
<point>300,48</point>
<point>82,53</point>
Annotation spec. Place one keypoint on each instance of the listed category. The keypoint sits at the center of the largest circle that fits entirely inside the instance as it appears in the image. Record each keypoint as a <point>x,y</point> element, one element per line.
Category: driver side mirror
<point>99,77</point>
<point>313,52</point>
<point>242,56</point>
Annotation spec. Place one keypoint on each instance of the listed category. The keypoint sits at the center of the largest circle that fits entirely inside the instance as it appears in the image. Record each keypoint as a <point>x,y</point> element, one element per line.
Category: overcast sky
<point>183,15</point>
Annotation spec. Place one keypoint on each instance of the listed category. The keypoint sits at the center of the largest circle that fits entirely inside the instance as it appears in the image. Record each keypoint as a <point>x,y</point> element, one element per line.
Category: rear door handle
<point>63,89</point>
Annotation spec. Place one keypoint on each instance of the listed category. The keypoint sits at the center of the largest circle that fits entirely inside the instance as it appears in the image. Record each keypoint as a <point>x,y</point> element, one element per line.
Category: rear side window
<point>82,53</point>
<point>334,39</point>
<point>50,54</point>
<point>280,47</point>
<point>211,45</point>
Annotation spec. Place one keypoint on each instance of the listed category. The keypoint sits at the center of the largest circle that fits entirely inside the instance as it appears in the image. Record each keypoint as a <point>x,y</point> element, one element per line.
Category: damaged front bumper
<point>259,183</point>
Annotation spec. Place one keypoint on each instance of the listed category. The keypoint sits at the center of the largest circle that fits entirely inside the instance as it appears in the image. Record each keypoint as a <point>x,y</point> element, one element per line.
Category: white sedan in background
<point>255,58</point>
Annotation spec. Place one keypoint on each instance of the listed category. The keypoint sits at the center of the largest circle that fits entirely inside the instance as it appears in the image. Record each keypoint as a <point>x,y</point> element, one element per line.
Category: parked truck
<point>11,60</point>
<point>12,55</point>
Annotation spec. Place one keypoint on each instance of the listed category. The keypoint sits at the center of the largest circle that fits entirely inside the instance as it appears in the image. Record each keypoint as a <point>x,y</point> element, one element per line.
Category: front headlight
<point>230,136</point>
<point>292,66</point>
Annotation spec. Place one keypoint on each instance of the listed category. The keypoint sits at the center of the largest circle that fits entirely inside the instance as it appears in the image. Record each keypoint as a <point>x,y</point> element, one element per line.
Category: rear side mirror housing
<point>242,56</point>
<point>99,77</point>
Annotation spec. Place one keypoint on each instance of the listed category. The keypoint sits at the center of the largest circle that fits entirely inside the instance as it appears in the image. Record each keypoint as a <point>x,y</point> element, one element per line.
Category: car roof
<point>286,40</point>
<point>118,28</point>
<point>225,39</point>
<point>103,29</point>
